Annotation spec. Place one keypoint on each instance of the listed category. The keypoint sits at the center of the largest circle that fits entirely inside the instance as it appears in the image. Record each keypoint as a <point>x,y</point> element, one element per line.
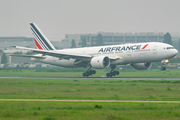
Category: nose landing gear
<point>163,67</point>
<point>112,72</point>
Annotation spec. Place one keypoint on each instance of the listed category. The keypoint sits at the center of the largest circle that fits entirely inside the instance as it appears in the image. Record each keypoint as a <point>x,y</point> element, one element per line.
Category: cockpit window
<point>169,48</point>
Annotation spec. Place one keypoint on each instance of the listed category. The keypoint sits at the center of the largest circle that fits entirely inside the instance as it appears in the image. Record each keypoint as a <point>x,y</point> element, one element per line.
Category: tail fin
<point>40,39</point>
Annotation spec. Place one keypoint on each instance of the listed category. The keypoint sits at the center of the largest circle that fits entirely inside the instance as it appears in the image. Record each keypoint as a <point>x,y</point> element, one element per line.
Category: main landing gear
<point>89,72</point>
<point>112,73</point>
<point>164,64</point>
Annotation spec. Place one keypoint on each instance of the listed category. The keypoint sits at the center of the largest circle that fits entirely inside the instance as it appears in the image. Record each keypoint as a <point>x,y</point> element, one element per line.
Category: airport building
<point>7,42</point>
<point>115,38</point>
<point>108,39</point>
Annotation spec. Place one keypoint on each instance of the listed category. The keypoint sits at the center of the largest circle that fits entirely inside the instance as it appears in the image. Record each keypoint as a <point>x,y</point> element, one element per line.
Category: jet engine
<point>100,62</point>
<point>141,66</point>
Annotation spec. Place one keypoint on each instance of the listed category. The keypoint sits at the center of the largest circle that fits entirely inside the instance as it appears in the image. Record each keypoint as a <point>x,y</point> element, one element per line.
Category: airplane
<point>138,55</point>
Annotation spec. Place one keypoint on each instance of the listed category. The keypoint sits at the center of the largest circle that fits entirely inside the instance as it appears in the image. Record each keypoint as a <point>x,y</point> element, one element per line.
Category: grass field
<point>91,89</point>
<point>100,73</point>
<point>88,111</point>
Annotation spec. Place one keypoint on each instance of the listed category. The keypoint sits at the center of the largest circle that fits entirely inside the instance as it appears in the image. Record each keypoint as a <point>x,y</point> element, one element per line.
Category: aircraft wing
<point>30,56</point>
<point>60,55</point>
<point>57,54</point>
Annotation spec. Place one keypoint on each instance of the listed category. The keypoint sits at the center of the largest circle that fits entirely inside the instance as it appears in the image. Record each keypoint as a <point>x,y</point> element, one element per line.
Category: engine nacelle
<point>100,62</point>
<point>141,66</point>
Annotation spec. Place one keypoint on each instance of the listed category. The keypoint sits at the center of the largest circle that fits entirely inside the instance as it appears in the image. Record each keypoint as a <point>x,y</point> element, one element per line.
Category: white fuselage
<point>123,54</point>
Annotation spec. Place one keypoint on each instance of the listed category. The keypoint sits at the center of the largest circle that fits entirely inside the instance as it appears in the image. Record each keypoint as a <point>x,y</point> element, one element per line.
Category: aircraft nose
<point>175,52</point>
<point>172,53</point>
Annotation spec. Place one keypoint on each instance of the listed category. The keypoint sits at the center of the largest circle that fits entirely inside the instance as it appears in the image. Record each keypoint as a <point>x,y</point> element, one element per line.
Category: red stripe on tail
<point>145,46</point>
<point>37,45</point>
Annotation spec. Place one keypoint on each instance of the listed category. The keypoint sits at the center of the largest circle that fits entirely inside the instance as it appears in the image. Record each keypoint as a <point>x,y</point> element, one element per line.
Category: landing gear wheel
<point>87,73</point>
<point>117,72</point>
<point>90,72</point>
<point>107,74</point>
<point>163,68</point>
<point>93,71</point>
<point>84,74</point>
<point>112,73</point>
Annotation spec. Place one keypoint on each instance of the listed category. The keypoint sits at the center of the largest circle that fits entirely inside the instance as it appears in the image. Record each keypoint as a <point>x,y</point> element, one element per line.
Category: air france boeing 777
<point>138,55</point>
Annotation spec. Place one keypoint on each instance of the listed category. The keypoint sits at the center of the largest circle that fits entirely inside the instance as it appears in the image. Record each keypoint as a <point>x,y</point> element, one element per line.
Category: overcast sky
<point>59,17</point>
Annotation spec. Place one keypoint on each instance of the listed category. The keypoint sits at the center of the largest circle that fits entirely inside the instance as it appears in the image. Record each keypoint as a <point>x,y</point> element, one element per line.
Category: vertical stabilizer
<point>42,42</point>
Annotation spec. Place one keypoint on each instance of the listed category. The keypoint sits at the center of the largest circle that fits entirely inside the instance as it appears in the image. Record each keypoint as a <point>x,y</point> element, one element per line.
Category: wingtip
<point>13,46</point>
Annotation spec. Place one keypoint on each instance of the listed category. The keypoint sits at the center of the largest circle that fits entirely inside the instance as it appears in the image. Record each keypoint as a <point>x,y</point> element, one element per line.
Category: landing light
<point>116,57</point>
<point>166,60</point>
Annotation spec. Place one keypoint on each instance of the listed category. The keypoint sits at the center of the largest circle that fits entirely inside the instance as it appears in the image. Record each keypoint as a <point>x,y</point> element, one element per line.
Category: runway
<point>63,100</point>
<point>119,78</point>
